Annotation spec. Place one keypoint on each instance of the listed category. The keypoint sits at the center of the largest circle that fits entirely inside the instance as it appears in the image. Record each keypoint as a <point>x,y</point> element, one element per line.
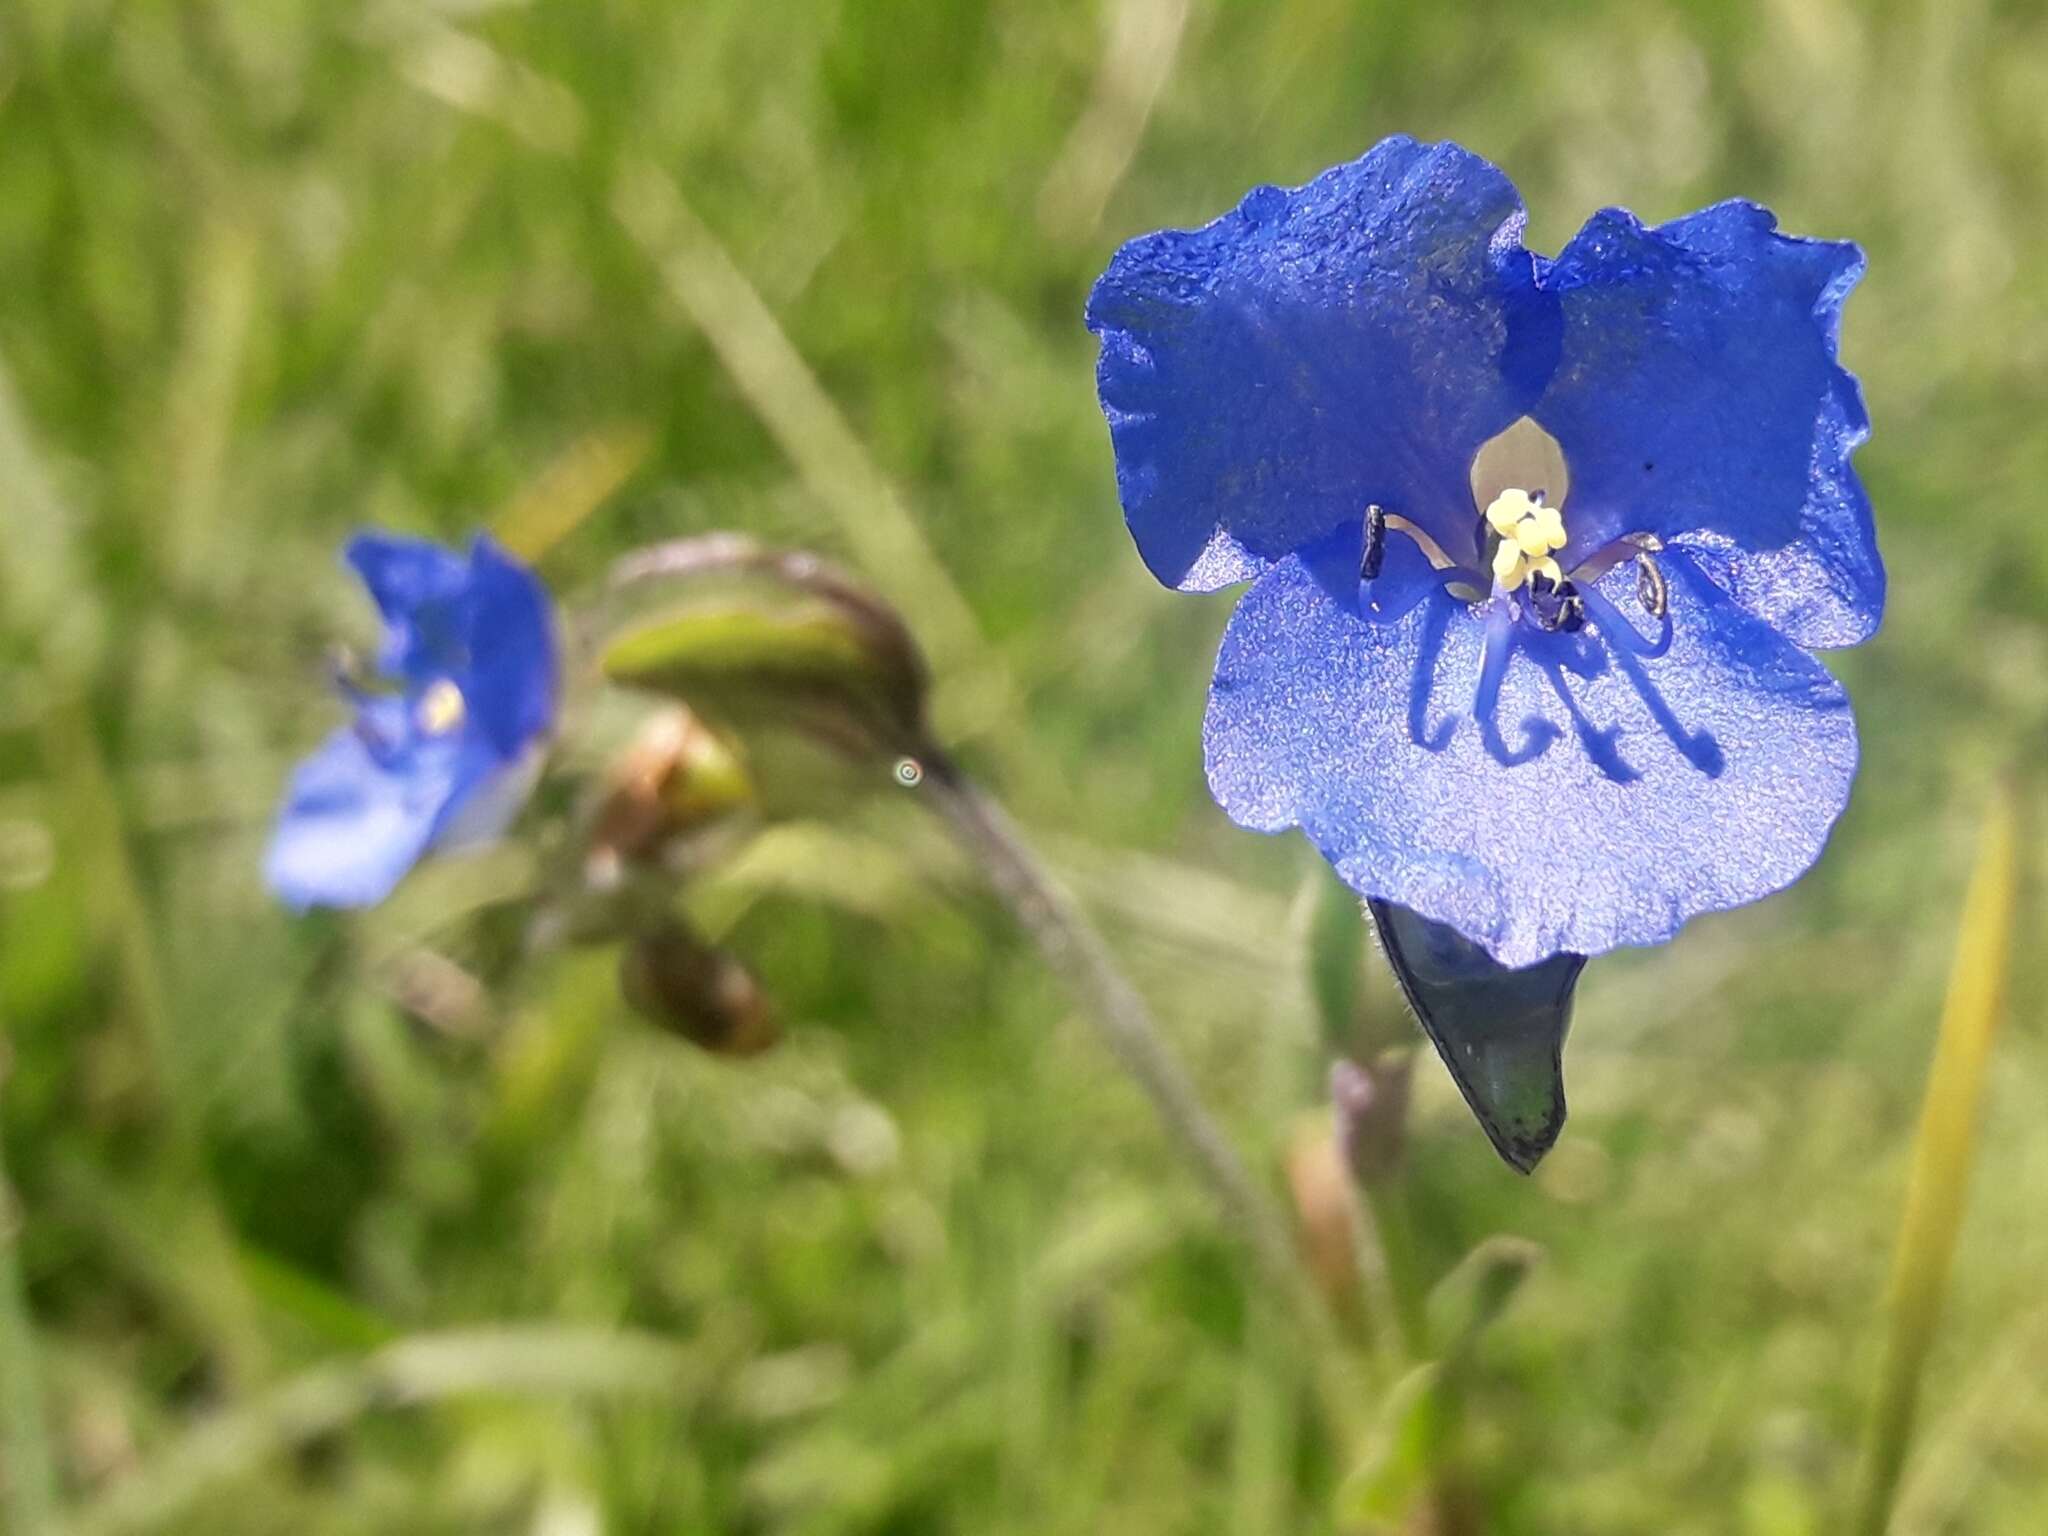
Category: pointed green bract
<point>1500,1032</point>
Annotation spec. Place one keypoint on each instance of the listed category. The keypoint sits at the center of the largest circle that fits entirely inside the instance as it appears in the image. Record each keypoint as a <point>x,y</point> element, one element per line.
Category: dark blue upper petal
<point>513,670</point>
<point>1318,349</point>
<point>418,588</point>
<point>1698,398</point>
<point>1702,779</point>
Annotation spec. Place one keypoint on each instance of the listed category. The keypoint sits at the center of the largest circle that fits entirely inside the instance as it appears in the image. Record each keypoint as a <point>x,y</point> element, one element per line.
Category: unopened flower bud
<point>676,980</point>
<point>1371,1111</point>
<point>752,637</point>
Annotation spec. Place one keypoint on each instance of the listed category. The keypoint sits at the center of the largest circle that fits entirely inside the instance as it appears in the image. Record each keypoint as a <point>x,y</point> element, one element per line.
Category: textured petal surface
<point>1698,398</point>
<point>1318,349</point>
<point>353,824</point>
<point>1606,800</point>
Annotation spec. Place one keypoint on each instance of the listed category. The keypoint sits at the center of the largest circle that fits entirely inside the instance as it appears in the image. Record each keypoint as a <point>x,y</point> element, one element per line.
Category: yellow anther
<point>441,708</point>
<point>1529,529</point>
<point>1507,565</point>
<point>1508,510</point>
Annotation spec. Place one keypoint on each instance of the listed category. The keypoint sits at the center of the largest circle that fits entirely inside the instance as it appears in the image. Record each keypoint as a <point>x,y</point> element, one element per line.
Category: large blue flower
<point>1539,548</point>
<point>447,754</point>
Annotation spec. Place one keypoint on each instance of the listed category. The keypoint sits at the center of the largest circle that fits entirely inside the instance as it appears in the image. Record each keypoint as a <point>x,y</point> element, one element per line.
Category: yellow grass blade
<point>1942,1153</point>
<point>583,478</point>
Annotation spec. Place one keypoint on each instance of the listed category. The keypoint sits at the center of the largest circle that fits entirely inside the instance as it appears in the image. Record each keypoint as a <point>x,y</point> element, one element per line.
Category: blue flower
<point>444,757</point>
<point>1539,548</point>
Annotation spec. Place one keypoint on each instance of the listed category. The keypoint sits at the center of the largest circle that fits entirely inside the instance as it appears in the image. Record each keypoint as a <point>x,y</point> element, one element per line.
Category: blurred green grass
<point>270,271</point>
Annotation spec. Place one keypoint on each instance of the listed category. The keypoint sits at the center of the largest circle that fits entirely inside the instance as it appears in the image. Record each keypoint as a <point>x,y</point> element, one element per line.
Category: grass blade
<point>428,1368</point>
<point>580,480</point>
<point>1943,1151</point>
<point>27,1478</point>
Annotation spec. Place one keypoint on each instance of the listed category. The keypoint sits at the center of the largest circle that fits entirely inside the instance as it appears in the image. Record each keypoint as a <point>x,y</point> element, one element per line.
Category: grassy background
<point>272,270</point>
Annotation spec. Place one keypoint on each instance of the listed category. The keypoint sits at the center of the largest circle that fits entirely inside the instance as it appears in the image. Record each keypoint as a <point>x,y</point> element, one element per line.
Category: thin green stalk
<point>27,1478</point>
<point>1074,950</point>
<point>1386,1201</point>
<point>1943,1151</point>
<point>1371,1111</point>
<point>1371,1039</point>
<point>1267,1432</point>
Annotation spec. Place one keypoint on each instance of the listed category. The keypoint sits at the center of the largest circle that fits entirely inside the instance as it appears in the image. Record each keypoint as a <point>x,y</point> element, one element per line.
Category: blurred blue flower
<point>447,754</point>
<point>1539,547</point>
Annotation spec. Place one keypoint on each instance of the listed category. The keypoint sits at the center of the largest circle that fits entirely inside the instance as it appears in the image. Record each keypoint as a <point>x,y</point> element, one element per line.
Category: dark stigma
<point>1375,542</point>
<point>1556,605</point>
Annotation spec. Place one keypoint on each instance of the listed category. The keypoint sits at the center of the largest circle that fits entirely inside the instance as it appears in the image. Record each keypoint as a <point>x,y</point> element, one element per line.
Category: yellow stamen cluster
<point>1529,531</point>
<point>440,708</point>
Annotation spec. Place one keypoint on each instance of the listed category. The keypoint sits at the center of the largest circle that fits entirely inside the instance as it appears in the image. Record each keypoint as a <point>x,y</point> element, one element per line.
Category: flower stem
<point>1383,1191</point>
<point>1371,1049</point>
<point>1074,949</point>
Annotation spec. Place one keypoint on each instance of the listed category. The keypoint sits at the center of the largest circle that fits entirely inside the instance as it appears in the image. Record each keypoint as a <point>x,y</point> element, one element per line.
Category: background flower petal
<point>418,587</point>
<point>1699,397</point>
<point>513,662</point>
<point>1697,781</point>
<point>352,825</point>
<point>1350,341</point>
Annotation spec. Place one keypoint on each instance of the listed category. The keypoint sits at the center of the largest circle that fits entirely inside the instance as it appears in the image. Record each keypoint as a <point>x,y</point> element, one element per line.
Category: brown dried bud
<point>1325,1211</point>
<point>675,777</point>
<point>674,979</point>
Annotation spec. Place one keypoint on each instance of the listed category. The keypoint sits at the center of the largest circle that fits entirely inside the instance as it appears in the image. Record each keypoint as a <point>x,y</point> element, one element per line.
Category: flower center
<point>440,708</point>
<point>1519,484</point>
<point>1528,530</point>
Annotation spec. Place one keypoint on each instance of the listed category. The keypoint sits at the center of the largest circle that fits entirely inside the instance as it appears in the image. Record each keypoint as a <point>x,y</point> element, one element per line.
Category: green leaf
<point>1467,1301</point>
<point>1401,1455</point>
